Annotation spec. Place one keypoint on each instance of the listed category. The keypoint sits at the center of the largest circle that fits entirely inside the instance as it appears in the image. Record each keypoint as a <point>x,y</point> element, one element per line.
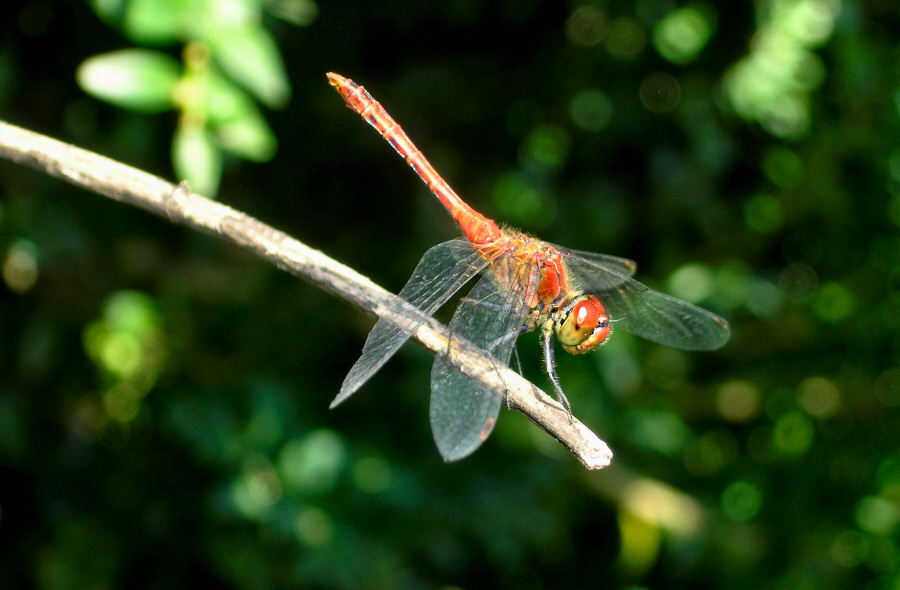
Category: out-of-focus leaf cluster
<point>228,61</point>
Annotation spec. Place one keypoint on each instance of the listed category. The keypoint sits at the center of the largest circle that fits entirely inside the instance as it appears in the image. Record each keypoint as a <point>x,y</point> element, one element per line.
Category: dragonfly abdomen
<point>478,228</point>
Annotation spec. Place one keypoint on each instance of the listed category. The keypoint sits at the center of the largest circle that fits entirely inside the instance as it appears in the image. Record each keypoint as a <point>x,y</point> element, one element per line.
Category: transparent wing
<point>623,266</point>
<point>463,410</point>
<point>443,270</point>
<point>647,313</point>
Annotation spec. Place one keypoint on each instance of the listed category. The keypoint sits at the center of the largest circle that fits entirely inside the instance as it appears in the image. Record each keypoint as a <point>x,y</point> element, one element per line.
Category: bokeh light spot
<point>741,501</point>
<point>798,281</point>
<point>788,116</point>
<point>591,109</point>
<point>660,92</point>
<point>682,34</point>
<point>372,474</point>
<point>763,213</point>
<point>809,21</point>
<point>546,147</point>
<point>691,282</point>
<point>655,502</point>
<point>266,423</point>
<point>764,300</point>
<point>772,84</point>
<point>793,434</point>
<point>313,526</point>
<point>132,311</point>
<point>783,167</point>
<point>127,344</point>
<point>833,302</point>
<point>877,515</point>
<point>639,542</point>
<point>849,548</point>
<point>732,285</point>
<point>257,489</point>
<point>311,464</point>
<point>819,397</point>
<point>121,354</point>
<point>20,267</point>
<point>626,38</point>
<point>122,402</point>
<point>586,26</point>
<point>708,454</point>
<point>738,401</point>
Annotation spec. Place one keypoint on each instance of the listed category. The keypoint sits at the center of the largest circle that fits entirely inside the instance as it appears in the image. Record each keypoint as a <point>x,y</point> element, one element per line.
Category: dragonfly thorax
<point>582,324</point>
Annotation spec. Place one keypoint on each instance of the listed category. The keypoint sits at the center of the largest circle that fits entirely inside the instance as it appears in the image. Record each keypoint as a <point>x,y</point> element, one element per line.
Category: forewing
<point>648,313</point>
<point>623,266</point>
<point>443,270</point>
<point>464,410</point>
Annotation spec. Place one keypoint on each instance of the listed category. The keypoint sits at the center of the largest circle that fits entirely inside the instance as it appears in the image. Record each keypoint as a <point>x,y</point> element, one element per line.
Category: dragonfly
<point>525,283</point>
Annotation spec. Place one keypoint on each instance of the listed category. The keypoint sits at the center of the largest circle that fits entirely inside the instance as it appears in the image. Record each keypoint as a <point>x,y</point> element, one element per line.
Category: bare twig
<point>129,185</point>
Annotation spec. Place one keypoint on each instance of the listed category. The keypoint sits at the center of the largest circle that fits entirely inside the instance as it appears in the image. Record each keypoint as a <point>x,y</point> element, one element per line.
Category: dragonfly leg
<point>549,364</point>
<point>493,344</point>
<point>518,360</point>
<point>518,368</point>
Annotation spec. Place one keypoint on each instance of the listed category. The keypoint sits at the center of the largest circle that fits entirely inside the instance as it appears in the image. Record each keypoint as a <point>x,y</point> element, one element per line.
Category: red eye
<point>586,313</point>
<point>585,327</point>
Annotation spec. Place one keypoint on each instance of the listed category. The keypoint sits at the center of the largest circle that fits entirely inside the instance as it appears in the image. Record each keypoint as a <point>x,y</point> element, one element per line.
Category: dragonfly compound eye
<point>585,325</point>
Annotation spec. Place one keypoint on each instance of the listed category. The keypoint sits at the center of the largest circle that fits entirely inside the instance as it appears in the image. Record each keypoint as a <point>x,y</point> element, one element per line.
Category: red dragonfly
<point>578,296</point>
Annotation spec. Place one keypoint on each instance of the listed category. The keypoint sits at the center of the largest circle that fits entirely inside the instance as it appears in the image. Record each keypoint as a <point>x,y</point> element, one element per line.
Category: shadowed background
<point>163,396</point>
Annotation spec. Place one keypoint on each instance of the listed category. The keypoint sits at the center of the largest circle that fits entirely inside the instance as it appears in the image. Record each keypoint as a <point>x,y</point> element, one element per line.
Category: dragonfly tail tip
<point>336,80</point>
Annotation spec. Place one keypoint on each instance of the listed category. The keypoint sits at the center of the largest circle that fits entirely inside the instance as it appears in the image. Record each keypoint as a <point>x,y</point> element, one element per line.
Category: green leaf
<point>136,79</point>
<point>249,55</point>
<point>224,100</point>
<point>240,127</point>
<point>156,21</point>
<point>197,159</point>
<point>249,137</point>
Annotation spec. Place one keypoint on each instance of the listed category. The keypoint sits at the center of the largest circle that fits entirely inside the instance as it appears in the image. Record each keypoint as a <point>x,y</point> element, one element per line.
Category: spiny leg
<point>519,368</point>
<point>549,364</point>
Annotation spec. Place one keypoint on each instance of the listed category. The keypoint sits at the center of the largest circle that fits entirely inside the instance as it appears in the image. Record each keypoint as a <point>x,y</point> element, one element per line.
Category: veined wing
<point>443,270</point>
<point>648,313</point>
<point>463,409</point>
<point>622,266</point>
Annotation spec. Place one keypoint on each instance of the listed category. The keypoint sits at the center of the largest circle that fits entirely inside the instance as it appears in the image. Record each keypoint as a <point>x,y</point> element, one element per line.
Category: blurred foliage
<point>227,53</point>
<point>163,399</point>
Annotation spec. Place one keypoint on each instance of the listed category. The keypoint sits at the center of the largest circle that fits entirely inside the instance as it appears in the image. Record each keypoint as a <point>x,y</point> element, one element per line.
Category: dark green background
<point>772,463</point>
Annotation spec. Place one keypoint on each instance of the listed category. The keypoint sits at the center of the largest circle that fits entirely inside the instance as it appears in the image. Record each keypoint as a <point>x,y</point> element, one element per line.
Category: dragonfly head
<point>584,325</point>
